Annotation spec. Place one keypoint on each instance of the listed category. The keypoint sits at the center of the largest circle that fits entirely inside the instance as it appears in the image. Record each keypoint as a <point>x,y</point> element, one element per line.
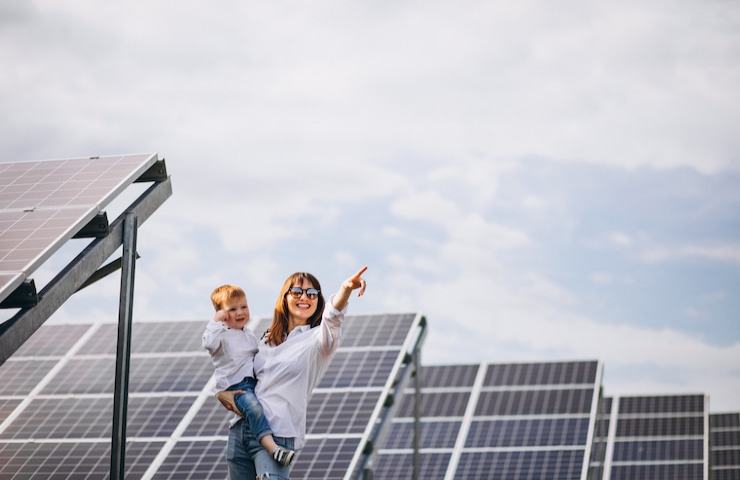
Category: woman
<point>292,355</point>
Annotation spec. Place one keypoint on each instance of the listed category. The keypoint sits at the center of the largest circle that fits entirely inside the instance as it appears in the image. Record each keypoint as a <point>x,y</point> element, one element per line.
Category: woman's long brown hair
<point>278,331</point>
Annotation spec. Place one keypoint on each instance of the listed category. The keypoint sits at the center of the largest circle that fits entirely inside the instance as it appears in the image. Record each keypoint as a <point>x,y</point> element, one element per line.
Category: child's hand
<point>220,316</point>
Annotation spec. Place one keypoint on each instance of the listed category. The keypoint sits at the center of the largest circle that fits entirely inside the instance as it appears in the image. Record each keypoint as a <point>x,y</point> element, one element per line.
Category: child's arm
<point>211,339</point>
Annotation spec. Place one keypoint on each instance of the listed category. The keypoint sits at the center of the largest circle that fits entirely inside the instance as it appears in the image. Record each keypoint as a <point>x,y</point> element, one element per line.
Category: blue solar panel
<point>658,472</point>
<point>555,373</point>
<point>19,378</point>
<point>433,466</point>
<point>530,402</point>
<point>522,465</point>
<point>433,435</point>
<point>64,461</point>
<point>52,340</point>
<point>528,432</point>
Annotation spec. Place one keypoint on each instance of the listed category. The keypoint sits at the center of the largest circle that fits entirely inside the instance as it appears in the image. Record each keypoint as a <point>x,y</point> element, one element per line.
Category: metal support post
<point>123,352</point>
<point>416,472</point>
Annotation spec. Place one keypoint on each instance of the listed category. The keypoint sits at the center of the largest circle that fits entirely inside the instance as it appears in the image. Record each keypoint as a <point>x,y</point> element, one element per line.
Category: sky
<point>543,181</point>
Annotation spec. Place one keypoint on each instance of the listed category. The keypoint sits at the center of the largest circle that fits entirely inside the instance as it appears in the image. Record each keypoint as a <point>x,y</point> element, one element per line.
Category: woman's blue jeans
<point>248,460</point>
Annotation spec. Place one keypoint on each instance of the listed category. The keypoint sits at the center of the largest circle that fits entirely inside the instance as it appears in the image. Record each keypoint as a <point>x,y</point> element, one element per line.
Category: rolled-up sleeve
<point>330,330</point>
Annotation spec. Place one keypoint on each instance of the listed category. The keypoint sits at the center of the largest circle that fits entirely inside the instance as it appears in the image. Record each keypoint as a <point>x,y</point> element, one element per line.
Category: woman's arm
<point>352,283</point>
<point>331,321</point>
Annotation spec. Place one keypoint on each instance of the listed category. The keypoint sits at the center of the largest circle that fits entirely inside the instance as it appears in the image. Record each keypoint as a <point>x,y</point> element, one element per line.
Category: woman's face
<point>301,308</point>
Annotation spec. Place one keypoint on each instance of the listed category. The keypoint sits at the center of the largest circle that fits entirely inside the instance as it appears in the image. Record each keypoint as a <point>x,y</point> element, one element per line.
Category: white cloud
<point>729,254</point>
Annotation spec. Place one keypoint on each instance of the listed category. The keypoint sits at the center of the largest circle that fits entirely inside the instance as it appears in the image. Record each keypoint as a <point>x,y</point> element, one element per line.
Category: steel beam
<point>123,350</point>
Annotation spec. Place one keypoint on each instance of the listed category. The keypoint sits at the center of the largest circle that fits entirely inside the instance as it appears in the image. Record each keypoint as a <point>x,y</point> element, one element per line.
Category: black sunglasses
<point>297,292</point>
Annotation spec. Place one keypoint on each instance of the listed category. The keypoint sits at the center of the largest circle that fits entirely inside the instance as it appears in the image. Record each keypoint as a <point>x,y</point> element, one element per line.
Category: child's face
<point>237,312</point>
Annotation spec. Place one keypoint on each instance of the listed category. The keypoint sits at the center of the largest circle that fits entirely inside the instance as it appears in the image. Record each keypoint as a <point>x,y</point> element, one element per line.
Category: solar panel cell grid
<point>359,369</point>
<point>432,466</point>
<point>340,412</point>
<point>443,404</point>
<point>210,420</point>
<point>59,183</point>
<point>726,439</point>
<point>169,374</point>
<point>52,340</point>
<point>91,418</point>
<point>658,472</point>
<point>728,474</point>
<point>448,375</point>
<point>656,450</point>
<point>534,402</point>
<point>533,432</point>
<point>64,461</point>
<point>202,460</point>
<point>660,427</point>
<point>19,378</point>
<point>553,465</point>
<point>376,330</point>
<point>6,408</point>
<point>159,337</point>
<point>724,420</point>
<point>561,373</point>
<point>327,458</point>
<point>433,435</point>
<point>31,233</point>
<point>722,458</point>
<point>662,404</point>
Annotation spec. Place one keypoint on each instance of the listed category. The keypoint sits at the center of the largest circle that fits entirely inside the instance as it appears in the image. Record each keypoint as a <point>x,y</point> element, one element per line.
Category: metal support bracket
<point>24,296</point>
<point>155,173</point>
<point>97,227</point>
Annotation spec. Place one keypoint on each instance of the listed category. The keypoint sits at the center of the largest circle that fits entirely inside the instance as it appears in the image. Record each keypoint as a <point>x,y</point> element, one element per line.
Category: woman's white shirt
<point>288,373</point>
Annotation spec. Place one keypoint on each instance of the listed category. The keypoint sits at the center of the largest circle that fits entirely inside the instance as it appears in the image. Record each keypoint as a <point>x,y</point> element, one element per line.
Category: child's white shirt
<point>232,353</point>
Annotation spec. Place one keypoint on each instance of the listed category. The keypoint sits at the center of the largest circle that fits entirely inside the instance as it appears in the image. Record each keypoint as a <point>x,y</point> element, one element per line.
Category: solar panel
<point>658,436</point>
<point>175,428</point>
<point>60,418</point>
<point>53,340</point>
<point>159,337</point>
<point>63,461</point>
<point>19,378</point>
<point>6,407</point>
<point>43,204</point>
<point>513,421</point>
<point>725,444</point>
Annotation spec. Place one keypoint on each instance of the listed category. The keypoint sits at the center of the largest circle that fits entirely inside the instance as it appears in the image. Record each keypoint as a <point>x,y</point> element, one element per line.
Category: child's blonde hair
<point>225,292</point>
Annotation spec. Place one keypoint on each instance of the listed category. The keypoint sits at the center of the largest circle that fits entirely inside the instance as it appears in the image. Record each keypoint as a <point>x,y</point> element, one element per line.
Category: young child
<point>232,348</point>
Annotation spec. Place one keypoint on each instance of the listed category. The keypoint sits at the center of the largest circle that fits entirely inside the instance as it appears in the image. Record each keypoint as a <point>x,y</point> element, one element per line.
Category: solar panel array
<point>657,437</point>
<point>512,421</point>
<point>725,446</point>
<point>43,204</point>
<point>56,402</point>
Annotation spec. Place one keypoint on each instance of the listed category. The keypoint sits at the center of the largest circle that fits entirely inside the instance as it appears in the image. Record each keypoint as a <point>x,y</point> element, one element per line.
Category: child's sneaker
<point>283,456</point>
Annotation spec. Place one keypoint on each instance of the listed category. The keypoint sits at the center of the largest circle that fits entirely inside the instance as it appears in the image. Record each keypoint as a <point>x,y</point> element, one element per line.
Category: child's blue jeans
<point>251,408</point>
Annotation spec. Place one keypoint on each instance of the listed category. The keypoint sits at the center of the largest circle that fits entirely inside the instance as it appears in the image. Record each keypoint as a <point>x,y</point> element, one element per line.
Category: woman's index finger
<point>360,272</point>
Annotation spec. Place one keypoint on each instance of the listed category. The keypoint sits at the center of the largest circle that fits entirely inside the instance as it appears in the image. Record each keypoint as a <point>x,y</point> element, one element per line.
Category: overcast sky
<point>542,180</point>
